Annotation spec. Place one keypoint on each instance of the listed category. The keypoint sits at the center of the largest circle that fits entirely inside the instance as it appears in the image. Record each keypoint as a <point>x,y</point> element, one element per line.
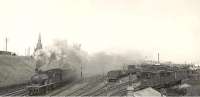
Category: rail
<point>21,92</point>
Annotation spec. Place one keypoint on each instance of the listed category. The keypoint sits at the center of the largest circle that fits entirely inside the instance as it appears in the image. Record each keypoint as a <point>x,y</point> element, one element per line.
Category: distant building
<point>39,44</point>
<point>7,53</point>
<point>36,54</point>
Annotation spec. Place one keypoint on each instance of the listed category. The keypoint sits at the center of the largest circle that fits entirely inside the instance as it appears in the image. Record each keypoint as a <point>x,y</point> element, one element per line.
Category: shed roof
<point>147,92</point>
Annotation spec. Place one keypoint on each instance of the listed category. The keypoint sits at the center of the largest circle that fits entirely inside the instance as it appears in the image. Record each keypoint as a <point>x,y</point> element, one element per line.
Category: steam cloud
<point>65,56</point>
<point>102,62</point>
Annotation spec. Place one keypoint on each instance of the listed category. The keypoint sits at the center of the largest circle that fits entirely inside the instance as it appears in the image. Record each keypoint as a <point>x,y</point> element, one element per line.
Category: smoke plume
<point>66,56</point>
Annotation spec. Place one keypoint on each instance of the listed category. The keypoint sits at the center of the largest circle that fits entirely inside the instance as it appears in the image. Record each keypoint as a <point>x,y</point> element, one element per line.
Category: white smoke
<point>61,55</point>
<point>102,62</point>
<point>65,56</point>
<point>40,57</point>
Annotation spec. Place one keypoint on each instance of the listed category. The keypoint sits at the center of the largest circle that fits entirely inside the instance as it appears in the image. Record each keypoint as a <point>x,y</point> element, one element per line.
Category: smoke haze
<point>65,56</point>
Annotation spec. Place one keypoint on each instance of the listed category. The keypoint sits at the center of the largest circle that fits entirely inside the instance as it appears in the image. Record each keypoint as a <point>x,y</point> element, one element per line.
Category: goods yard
<point>56,82</point>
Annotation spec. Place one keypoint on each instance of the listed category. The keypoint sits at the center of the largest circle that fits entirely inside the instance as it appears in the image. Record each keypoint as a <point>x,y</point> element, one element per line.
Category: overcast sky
<point>170,27</point>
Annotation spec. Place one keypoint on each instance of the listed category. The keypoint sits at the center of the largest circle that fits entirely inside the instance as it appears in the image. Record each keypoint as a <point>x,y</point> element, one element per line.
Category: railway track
<point>117,89</point>
<point>104,91</point>
<point>96,90</point>
<point>121,92</point>
<point>113,88</point>
<point>84,89</point>
<point>54,93</point>
<point>10,89</point>
<point>78,87</point>
<point>19,92</point>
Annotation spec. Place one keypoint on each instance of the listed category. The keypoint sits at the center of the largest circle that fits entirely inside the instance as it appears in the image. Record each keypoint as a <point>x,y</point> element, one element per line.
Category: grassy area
<point>15,70</point>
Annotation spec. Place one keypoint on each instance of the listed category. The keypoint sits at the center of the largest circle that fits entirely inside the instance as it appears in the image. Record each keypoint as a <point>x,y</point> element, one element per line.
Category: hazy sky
<point>170,27</point>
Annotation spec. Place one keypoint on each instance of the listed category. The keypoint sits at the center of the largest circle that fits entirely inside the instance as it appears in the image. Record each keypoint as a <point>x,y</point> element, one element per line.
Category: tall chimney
<point>6,43</point>
<point>158,59</point>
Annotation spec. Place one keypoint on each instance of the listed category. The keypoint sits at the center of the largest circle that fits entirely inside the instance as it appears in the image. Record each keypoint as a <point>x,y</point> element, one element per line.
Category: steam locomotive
<point>44,81</point>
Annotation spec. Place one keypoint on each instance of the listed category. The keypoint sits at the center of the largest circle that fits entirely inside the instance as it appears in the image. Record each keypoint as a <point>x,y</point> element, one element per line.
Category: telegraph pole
<point>6,43</point>
<point>103,70</point>
<point>28,52</point>
<point>158,59</point>
<point>25,53</point>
